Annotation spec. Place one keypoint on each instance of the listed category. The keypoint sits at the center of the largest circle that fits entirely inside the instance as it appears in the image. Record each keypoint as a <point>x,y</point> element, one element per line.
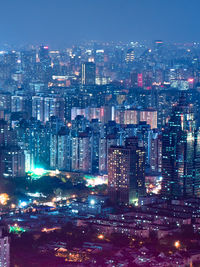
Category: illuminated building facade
<point>88,73</point>
<point>131,116</point>
<point>126,178</point>
<point>130,56</point>
<point>20,103</point>
<point>181,153</point>
<point>60,150</point>
<point>45,107</point>
<point>49,107</point>
<point>44,57</point>
<point>12,162</point>
<point>5,101</point>
<point>140,80</point>
<point>150,116</point>
<point>38,108</point>
<point>134,79</point>
<point>155,157</point>
<point>81,153</point>
<point>104,145</point>
<point>103,114</point>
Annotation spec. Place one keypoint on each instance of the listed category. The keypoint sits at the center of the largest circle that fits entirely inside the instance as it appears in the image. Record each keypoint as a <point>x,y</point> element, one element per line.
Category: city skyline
<point>100,133</point>
<point>70,21</point>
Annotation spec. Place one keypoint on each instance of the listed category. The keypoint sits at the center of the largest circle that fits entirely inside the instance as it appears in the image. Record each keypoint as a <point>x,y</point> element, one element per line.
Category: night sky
<point>58,22</point>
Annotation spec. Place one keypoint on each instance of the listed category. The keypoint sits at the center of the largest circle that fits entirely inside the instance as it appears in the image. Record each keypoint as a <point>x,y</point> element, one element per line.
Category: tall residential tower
<point>181,153</point>
<point>126,178</point>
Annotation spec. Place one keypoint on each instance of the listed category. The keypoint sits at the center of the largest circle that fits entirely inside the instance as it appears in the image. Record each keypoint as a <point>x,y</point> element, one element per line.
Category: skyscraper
<point>81,153</point>
<point>158,44</point>
<point>181,153</point>
<point>12,162</point>
<point>44,66</point>
<point>155,151</point>
<point>44,55</point>
<point>38,108</point>
<point>130,56</point>
<point>126,178</point>
<point>60,152</point>
<point>88,73</point>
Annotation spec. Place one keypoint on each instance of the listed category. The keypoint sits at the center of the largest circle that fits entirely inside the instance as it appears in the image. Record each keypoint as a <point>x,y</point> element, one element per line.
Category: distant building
<point>150,116</point>
<point>130,56</point>
<point>88,73</point>
<point>158,44</point>
<point>44,56</point>
<point>21,103</point>
<point>134,79</point>
<point>53,106</point>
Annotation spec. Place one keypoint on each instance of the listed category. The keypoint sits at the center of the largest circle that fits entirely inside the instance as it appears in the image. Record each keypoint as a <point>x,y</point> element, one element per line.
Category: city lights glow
<point>16,229</point>
<point>92,202</point>
<point>47,230</point>
<point>39,171</point>
<point>4,199</point>
<point>92,181</point>
<point>23,204</point>
<point>177,244</point>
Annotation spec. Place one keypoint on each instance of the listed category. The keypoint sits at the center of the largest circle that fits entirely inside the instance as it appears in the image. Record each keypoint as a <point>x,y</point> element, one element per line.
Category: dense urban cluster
<point>100,155</point>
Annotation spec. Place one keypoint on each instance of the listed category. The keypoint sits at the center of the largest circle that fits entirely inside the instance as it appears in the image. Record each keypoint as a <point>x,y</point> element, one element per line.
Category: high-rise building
<point>7,134</point>
<point>17,103</point>
<point>44,55</point>
<point>88,73</point>
<point>64,150</point>
<point>131,116</point>
<point>12,162</point>
<point>104,144</point>
<point>28,61</point>
<point>38,108</point>
<point>44,69</point>
<point>21,103</point>
<point>181,153</point>
<point>53,150</point>
<point>53,106</point>
<point>158,44</point>
<point>130,56</point>
<point>49,107</point>
<point>95,142</point>
<point>155,152</point>
<point>140,79</point>
<point>134,79</point>
<point>34,138</point>
<point>5,101</point>
<point>60,150</point>
<point>126,177</point>
<point>81,153</point>
<point>150,116</point>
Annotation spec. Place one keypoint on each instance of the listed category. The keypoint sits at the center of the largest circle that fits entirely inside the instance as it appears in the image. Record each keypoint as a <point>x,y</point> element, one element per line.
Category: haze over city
<point>67,21</point>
